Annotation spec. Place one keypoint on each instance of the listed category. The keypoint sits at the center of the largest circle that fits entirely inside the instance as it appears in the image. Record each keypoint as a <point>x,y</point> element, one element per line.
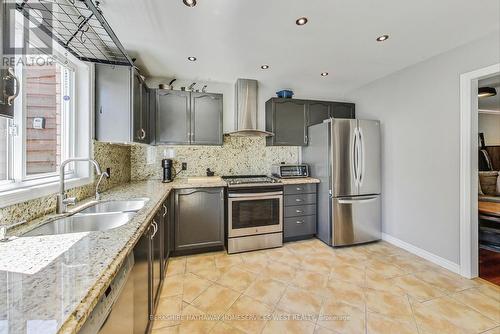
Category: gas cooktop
<point>242,180</point>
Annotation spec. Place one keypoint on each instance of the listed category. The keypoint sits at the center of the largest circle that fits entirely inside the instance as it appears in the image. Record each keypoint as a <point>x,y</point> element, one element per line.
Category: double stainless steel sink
<point>100,216</point>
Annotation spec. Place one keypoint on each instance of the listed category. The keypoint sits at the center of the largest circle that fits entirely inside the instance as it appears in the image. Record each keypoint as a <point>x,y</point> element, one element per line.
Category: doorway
<point>473,204</point>
<point>489,179</point>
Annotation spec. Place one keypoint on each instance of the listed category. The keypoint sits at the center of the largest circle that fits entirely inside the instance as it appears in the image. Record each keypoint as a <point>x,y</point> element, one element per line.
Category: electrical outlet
<point>108,170</point>
<point>184,166</point>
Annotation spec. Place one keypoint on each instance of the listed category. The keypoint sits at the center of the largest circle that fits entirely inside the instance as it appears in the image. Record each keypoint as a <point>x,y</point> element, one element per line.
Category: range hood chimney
<point>245,118</point>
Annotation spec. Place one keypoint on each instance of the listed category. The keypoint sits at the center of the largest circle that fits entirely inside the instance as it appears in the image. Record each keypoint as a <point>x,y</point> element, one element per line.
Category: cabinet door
<point>343,110</point>
<point>156,240</point>
<point>199,218</point>
<point>141,275</point>
<point>113,112</point>
<point>318,111</point>
<point>145,117</point>
<point>141,112</point>
<point>172,117</point>
<point>166,234</point>
<point>289,122</point>
<point>206,119</point>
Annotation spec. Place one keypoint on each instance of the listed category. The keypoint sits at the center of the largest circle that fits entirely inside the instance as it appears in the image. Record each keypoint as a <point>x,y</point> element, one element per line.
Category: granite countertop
<point>299,180</point>
<point>50,284</point>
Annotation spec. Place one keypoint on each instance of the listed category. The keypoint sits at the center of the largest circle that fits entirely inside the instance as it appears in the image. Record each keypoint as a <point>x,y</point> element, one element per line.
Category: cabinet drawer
<point>302,199</point>
<point>299,226</point>
<point>300,210</point>
<point>293,189</point>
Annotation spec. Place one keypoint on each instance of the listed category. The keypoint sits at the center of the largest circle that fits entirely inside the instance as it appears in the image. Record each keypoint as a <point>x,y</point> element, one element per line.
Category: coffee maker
<point>168,170</point>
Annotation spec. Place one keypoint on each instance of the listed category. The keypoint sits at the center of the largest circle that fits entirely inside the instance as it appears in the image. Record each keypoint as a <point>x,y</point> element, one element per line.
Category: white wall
<point>489,124</point>
<point>419,109</point>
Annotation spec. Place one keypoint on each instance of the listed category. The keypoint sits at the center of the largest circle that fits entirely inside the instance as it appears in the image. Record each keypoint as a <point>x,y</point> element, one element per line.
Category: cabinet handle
<point>165,211</point>
<point>299,189</point>
<point>305,139</point>
<point>300,222</point>
<point>155,229</point>
<point>298,200</point>
<point>16,82</point>
<point>143,134</point>
<point>299,211</point>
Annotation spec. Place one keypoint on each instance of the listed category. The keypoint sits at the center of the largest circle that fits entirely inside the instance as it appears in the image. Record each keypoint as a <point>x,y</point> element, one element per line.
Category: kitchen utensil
<point>190,87</point>
<point>169,86</point>
<point>285,93</point>
<point>204,89</point>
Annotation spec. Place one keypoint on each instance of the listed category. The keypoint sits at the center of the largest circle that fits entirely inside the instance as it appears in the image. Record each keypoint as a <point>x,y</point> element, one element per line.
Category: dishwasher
<point>114,312</point>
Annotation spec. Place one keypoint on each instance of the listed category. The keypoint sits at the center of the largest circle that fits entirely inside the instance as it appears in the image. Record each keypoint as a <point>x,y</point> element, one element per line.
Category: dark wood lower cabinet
<point>141,275</point>
<point>199,219</point>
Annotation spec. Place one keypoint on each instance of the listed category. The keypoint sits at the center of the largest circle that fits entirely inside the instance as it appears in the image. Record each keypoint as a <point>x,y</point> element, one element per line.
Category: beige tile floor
<point>308,287</point>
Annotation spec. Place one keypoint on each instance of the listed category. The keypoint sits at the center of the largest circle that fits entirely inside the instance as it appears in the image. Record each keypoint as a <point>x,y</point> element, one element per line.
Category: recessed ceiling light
<point>264,67</point>
<point>324,74</point>
<point>301,21</point>
<point>382,38</point>
<point>189,3</point>
<point>192,58</point>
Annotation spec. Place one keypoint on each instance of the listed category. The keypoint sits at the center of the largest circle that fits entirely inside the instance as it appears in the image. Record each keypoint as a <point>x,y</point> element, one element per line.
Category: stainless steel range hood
<point>245,118</point>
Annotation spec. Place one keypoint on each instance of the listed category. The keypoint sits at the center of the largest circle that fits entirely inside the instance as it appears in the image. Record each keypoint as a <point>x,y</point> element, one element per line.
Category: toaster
<point>285,171</point>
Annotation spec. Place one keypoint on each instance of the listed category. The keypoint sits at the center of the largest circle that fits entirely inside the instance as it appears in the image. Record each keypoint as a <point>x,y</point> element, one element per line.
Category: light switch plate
<point>151,155</point>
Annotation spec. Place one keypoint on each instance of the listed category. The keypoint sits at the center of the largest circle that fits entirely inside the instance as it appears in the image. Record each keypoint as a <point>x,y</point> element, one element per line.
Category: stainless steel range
<point>254,213</point>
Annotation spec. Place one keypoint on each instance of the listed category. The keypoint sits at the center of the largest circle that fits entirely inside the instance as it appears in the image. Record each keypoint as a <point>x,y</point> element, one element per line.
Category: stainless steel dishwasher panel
<point>121,318</point>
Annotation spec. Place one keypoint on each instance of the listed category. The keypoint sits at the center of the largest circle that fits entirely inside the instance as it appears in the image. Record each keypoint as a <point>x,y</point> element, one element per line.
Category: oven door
<point>255,213</point>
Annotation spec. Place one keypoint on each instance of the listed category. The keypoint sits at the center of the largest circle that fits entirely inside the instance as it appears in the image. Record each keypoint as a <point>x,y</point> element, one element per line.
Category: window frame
<point>12,191</point>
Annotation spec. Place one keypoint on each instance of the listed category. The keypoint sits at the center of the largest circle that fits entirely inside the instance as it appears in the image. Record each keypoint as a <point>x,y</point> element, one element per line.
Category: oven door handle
<point>277,193</point>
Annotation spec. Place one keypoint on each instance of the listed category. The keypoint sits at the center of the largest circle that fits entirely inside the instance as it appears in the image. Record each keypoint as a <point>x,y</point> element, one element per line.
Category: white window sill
<point>19,195</point>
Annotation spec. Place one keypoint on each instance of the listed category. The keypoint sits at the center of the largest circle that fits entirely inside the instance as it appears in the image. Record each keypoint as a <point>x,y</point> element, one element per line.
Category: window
<point>41,135</point>
<point>52,122</point>
<point>47,106</point>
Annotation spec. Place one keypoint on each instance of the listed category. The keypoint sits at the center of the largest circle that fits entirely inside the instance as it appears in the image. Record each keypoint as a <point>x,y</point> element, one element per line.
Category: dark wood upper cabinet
<point>318,112</point>
<point>173,117</point>
<point>122,113</point>
<point>188,118</point>
<point>289,119</point>
<point>206,119</point>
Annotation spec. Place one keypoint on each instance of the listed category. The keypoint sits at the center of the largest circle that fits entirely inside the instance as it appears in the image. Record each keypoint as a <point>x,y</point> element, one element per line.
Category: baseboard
<point>447,264</point>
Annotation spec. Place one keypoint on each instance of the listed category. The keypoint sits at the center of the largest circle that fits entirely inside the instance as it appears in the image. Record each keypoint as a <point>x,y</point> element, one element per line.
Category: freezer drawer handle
<point>353,201</point>
<point>300,222</point>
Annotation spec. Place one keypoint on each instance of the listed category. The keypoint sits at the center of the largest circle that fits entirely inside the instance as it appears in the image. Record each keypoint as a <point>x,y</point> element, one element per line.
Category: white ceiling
<point>232,38</point>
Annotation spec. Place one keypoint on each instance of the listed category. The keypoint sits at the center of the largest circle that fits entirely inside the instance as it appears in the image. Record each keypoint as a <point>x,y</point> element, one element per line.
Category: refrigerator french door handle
<point>361,172</point>
<point>355,156</point>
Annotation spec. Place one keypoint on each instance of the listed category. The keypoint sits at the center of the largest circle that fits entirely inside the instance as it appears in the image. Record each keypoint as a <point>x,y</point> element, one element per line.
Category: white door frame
<point>469,168</point>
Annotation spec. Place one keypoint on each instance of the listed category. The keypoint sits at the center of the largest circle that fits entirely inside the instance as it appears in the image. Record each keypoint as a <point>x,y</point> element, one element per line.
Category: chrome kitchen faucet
<point>63,201</point>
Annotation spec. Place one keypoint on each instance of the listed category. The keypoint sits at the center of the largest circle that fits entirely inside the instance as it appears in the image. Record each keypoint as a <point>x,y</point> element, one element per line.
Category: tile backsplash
<point>117,157</point>
<point>238,155</point>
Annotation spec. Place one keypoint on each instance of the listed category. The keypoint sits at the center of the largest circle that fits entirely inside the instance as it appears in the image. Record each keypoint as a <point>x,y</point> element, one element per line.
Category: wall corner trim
<point>454,267</point>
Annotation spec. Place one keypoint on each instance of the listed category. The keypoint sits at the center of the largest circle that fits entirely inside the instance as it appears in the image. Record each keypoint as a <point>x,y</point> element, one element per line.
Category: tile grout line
<point>413,313</point>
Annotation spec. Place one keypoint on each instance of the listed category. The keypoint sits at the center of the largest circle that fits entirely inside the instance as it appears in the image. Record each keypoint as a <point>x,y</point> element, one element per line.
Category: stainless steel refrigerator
<point>345,155</point>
